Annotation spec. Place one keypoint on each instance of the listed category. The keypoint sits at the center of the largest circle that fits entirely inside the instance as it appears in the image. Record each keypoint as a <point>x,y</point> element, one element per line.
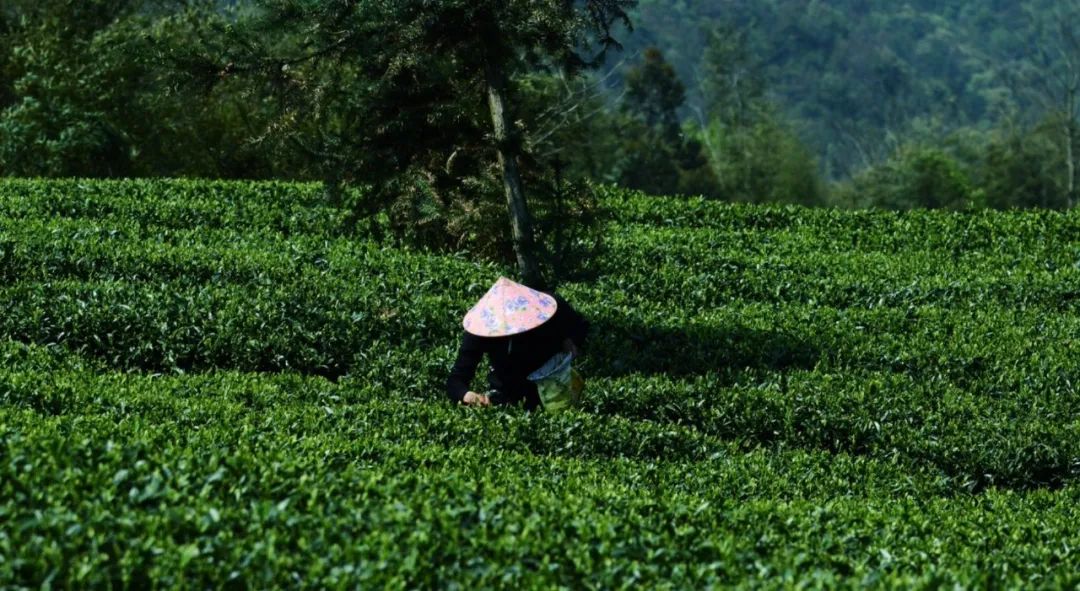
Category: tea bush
<point>218,384</point>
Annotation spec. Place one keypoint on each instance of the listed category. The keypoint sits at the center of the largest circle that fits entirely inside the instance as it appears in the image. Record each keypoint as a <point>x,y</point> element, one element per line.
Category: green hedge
<point>287,480</point>
<point>777,397</point>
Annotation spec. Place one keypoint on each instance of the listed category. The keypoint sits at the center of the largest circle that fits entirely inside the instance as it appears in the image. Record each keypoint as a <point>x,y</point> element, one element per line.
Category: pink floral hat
<point>509,308</point>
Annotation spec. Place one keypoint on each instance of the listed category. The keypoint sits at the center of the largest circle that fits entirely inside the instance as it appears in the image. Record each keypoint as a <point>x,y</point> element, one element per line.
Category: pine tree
<point>414,69</point>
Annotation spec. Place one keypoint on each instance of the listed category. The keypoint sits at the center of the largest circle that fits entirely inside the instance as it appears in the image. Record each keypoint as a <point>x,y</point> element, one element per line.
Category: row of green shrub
<point>233,479</point>
<point>776,397</point>
<point>982,411</point>
<point>194,204</point>
<point>688,268</point>
<point>927,339</point>
<point>293,208</point>
<point>320,320</point>
<point>864,229</point>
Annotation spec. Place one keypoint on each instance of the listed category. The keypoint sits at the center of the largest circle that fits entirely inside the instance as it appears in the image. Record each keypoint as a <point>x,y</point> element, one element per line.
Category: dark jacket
<point>513,358</point>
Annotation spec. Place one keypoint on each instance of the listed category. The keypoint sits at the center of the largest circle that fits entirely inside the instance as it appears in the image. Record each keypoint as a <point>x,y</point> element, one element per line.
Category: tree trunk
<point>507,149</point>
<point>1070,163</point>
<point>1070,140</point>
<point>333,192</point>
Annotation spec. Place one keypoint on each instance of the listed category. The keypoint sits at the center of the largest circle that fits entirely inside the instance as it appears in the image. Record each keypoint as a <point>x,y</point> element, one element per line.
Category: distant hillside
<point>855,76</point>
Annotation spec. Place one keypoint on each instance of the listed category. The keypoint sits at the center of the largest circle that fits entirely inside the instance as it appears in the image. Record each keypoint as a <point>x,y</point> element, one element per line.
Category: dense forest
<point>841,102</point>
<point>852,76</point>
<point>863,83</point>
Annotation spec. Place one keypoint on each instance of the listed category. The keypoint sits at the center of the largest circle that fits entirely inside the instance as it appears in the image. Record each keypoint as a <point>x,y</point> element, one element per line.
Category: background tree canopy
<point>840,102</point>
<point>856,78</point>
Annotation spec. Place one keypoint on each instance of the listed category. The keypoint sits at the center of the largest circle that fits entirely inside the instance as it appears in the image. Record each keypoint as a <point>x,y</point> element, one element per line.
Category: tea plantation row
<point>134,480</point>
<point>211,384</point>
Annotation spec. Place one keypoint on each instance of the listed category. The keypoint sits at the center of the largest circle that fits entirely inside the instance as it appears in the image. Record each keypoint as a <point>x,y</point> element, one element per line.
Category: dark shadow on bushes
<point>620,347</point>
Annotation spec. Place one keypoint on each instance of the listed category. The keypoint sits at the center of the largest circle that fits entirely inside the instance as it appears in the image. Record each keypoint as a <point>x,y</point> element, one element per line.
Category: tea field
<point>224,385</point>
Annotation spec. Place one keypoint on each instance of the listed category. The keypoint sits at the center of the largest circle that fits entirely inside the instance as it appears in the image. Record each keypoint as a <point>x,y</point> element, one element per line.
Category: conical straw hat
<point>509,308</point>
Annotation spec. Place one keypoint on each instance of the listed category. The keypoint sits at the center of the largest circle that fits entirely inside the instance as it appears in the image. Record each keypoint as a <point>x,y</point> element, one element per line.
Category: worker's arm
<point>461,375</point>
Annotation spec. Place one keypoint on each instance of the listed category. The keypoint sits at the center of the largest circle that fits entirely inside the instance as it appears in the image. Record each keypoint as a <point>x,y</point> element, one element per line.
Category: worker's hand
<point>474,399</point>
<point>568,346</point>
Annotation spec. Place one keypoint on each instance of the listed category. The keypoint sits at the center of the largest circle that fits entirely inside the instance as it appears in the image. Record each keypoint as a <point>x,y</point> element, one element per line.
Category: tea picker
<point>530,339</point>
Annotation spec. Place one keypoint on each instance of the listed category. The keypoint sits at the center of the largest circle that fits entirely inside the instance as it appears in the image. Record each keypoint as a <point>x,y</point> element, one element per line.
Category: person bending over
<point>519,329</point>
